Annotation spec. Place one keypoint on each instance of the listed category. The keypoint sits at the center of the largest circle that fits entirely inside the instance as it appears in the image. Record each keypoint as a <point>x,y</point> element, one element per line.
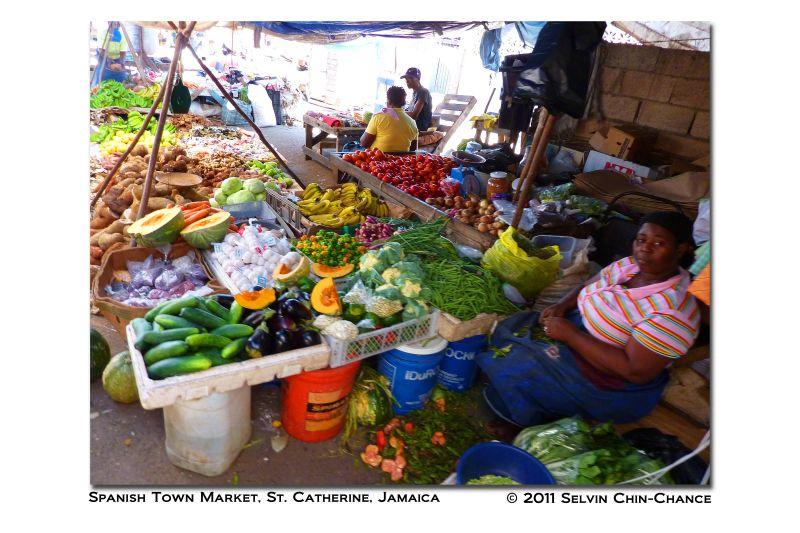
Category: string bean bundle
<point>465,290</point>
<point>426,241</point>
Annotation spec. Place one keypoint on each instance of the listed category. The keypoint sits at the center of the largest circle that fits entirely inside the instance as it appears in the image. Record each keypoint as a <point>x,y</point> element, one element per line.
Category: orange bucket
<point>315,403</point>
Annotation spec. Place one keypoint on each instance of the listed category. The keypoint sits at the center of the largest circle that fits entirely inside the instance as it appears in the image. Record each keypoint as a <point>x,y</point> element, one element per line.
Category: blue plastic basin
<point>502,459</point>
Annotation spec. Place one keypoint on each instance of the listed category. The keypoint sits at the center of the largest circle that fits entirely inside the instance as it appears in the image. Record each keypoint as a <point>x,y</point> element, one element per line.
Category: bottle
<point>279,440</point>
<point>498,186</point>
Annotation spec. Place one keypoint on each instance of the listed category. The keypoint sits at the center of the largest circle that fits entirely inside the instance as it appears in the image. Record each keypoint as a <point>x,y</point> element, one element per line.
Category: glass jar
<point>498,186</point>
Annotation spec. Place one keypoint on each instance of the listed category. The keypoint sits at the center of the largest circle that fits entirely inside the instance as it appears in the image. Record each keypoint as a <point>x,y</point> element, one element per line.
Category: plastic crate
<point>379,341</point>
<point>163,392</point>
<point>286,210</point>
<point>566,246</point>
<point>231,117</point>
<point>247,210</point>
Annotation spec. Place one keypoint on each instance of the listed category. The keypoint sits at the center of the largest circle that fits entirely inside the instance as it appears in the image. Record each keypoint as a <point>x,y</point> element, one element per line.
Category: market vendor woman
<point>615,337</point>
<point>391,130</point>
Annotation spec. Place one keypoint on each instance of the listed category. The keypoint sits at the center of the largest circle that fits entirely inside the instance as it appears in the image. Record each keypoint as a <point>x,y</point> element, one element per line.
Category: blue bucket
<point>500,459</point>
<point>411,371</point>
<point>458,368</point>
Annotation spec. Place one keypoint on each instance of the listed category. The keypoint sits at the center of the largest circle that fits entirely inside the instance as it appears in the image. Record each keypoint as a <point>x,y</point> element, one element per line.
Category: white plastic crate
<point>163,392</point>
<point>219,273</point>
<point>379,341</point>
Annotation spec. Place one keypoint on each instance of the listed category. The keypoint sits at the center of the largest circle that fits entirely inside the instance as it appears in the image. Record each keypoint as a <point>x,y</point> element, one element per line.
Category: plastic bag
<point>528,273</point>
<point>146,277</point>
<point>702,224</point>
<point>168,279</point>
<point>561,439</point>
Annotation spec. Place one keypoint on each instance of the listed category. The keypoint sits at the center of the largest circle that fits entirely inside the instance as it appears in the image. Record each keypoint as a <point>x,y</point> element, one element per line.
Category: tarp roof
<point>332,32</point>
<point>670,34</point>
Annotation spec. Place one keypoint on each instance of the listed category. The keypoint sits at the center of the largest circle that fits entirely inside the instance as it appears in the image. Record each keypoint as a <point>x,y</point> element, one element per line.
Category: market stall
<point>332,134</point>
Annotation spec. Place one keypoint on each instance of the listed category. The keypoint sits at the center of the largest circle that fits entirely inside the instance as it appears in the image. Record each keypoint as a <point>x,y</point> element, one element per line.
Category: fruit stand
<point>329,136</point>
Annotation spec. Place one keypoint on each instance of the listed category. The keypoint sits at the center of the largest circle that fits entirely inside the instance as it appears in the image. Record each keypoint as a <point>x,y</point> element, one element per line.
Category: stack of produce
<point>185,122</point>
<point>475,211</point>
<point>115,136</point>
<point>218,166</point>
<point>277,178</point>
<point>579,454</point>
<point>346,205</point>
<point>152,281</point>
<point>253,255</point>
<point>333,255</point>
<point>419,175</point>
<point>112,93</point>
<point>236,191</point>
<point>373,229</point>
<point>456,286</point>
<point>192,334</point>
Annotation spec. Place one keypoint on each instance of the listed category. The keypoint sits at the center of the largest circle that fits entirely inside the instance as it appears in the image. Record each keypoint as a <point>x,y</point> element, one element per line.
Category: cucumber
<point>157,327</point>
<point>172,322</point>
<point>216,308</point>
<point>165,350</point>
<point>235,348</point>
<point>214,355</point>
<point>140,327</point>
<point>175,366</point>
<point>157,337</point>
<point>201,304</point>
<point>174,306</point>
<point>152,313</point>
<point>235,314</point>
<point>233,331</point>
<point>207,339</point>
<point>204,318</point>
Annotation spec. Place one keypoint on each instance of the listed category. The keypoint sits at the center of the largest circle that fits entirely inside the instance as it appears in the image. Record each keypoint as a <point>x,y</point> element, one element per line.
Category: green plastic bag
<point>527,273</point>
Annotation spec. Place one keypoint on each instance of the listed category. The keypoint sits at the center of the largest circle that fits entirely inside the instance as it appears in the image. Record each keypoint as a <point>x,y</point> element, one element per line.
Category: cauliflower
<point>323,321</point>
<point>410,288</point>
<point>384,307</point>
<point>390,274</point>
<point>391,253</point>
<point>388,291</point>
<point>415,309</point>
<point>342,330</point>
<point>371,260</point>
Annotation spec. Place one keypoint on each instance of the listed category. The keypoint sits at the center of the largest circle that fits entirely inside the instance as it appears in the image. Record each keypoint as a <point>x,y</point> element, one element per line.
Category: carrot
<point>233,227</point>
<point>194,216</point>
<point>170,205</point>
<point>191,206</point>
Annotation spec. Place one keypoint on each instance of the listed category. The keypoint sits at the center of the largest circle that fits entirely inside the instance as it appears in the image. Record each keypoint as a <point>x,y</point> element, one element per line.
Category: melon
<point>206,231</point>
<point>291,275</point>
<point>118,379</point>
<point>325,271</point>
<point>99,353</point>
<point>158,228</point>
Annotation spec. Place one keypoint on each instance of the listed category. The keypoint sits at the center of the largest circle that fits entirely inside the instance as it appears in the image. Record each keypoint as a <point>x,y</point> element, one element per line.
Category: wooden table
<point>455,230</point>
<point>503,135</point>
<point>328,137</point>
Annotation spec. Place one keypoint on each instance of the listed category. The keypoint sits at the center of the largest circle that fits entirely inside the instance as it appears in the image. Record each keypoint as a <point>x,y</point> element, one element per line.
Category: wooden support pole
<point>252,124</point>
<point>108,181</point>
<point>101,64</point>
<point>134,53</point>
<point>525,185</point>
<point>180,41</point>
<point>531,150</point>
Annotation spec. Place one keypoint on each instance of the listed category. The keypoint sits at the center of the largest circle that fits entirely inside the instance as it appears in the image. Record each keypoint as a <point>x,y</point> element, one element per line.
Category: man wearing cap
<point>421,103</point>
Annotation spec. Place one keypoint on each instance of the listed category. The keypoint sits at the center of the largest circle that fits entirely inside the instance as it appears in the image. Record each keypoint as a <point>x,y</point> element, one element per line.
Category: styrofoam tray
<point>216,268</point>
<point>160,393</point>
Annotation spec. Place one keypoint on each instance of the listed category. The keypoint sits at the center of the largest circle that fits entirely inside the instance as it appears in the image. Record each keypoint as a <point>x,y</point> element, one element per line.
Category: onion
<point>465,220</point>
<point>431,201</point>
<point>448,202</point>
<point>493,232</point>
<point>474,198</point>
<point>497,225</point>
<point>464,213</point>
<point>470,203</point>
<point>489,210</point>
<point>484,203</point>
<point>483,227</point>
<point>486,219</point>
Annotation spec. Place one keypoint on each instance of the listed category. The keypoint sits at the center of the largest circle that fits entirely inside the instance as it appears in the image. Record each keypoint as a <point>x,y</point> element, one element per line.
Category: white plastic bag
<point>702,224</point>
<point>263,112</point>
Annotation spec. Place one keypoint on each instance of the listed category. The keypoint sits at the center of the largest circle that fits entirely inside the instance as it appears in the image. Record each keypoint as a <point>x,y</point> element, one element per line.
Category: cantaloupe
<point>206,231</point>
<point>158,228</point>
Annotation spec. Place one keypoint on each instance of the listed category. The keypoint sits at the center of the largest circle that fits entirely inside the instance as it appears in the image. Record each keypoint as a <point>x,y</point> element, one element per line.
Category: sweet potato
<point>157,203</point>
<point>108,240</point>
<point>95,252</point>
<point>115,227</point>
<point>98,223</point>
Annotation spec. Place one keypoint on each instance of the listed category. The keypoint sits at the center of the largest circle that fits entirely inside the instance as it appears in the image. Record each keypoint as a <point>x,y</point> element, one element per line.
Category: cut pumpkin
<point>206,231</point>
<point>158,228</point>
<point>255,300</point>
<point>325,271</point>
<point>325,298</point>
<point>290,276</point>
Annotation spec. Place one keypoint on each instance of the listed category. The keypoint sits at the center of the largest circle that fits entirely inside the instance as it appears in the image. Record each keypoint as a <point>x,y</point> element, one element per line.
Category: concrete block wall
<point>664,89</point>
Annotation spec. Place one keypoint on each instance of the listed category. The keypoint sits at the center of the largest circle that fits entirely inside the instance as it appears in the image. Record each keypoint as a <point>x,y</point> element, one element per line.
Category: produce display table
<point>456,230</point>
<point>482,135</point>
<point>328,137</point>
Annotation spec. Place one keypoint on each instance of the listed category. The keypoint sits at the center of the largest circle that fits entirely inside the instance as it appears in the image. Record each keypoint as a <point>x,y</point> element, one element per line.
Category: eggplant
<point>260,343</point>
<point>281,323</point>
<point>255,318</point>
<point>307,338</point>
<point>294,309</point>
<point>225,300</point>
<point>282,341</point>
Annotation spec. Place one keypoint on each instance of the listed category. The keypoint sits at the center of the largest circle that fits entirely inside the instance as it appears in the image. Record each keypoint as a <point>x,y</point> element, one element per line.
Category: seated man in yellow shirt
<point>391,130</point>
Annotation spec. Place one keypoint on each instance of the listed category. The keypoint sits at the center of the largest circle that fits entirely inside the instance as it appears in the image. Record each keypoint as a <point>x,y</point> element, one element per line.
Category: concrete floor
<point>288,140</point>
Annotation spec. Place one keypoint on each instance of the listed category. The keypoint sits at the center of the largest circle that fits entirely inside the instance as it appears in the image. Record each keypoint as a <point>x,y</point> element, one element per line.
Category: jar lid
<point>428,346</point>
<point>498,174</point>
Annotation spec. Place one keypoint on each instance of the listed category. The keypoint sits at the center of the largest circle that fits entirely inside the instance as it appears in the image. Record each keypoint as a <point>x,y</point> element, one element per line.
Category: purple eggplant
<point>281,323</point>
<point>260,343</point>
<point>294,309</point>
<point>282,341</point>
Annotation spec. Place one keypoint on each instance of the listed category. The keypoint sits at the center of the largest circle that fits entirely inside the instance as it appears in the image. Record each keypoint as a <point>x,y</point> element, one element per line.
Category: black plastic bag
<point>668,449</point>
<point>498,157</point>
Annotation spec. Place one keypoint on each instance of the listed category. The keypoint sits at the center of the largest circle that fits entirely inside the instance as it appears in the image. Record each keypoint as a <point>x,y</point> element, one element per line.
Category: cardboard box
<point>598,161</point>
<point>625,142</point>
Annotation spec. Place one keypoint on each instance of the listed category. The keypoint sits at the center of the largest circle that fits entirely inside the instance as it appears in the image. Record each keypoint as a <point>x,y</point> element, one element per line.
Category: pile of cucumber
<point>191,334</point>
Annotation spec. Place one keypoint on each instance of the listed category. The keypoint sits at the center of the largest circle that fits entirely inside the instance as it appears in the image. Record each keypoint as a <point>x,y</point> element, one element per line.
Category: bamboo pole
<point>531,150</point>
<point>252,124</point>
<point>180,41</point>
<point>537,158</point>
<point>101,64</point>
<point>102,188</point>
<point>137,61</point>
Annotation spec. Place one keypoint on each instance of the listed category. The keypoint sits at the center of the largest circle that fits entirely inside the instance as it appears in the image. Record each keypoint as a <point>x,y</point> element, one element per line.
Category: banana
<point>329,195</point>
<point>321,207</point>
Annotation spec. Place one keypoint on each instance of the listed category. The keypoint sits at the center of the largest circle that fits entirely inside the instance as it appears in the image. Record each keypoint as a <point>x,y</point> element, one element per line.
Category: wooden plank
<point>316,156</point>
<point>452,107</point>
<point>449,133</point>
<point>322,125</point>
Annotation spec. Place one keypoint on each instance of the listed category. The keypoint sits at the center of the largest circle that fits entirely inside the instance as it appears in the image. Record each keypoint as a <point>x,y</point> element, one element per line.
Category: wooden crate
<point>453,329</point>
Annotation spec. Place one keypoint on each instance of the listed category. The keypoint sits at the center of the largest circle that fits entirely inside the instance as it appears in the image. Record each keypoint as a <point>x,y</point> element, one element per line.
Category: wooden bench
<point>448,116</point>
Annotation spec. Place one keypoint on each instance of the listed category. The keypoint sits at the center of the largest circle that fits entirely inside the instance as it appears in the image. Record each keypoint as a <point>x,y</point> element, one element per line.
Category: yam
<point>93,262</point>
<point>126,197</point>
<point>128,177</point>
<point>106,241</point>
<point>95,252</point>
<point>140,150</point>
<point>98,223</point>
<point>128,167</point>
<point>157,203</point>
<point>161,189</point>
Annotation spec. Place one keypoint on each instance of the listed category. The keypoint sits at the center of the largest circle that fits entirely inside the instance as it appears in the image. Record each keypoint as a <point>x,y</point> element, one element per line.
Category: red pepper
<point>380,438</point>
<point>408,427</point>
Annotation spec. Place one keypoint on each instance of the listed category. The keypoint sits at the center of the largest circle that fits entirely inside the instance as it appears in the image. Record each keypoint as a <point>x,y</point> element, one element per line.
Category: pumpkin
<point>291,275</point>
<point>158,228</point>
<point>325,298</point>
<point>255,300</point>
<point>118,379</point>
<point>325,271</point>
<point>208,230</point>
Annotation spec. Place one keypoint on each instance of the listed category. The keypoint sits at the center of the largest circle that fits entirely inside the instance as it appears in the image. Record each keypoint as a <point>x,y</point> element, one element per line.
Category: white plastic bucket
<point>206,435</point>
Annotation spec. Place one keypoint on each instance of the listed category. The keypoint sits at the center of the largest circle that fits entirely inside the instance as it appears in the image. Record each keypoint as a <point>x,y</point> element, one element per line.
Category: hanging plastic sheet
<point>490,49</point>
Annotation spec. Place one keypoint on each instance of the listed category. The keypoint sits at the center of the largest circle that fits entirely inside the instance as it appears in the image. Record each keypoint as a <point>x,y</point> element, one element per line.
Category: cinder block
<point>685,147</point>
<point>661,88</point>
<point>701,66</point>
<point>691,93</point>
<point>631,56</point>
<point>636,83</point>
<point>665,117</point>
<point>619,107</point>
<point>609,79</point>
<point>701,127</point>
<point>675,62</point>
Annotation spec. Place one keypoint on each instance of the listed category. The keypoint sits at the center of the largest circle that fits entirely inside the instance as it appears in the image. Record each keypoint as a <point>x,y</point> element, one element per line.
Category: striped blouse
<point>663,317</point>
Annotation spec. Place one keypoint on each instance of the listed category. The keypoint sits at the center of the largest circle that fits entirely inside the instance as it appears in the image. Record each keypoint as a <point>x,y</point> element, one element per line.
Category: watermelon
<point>99,353</point>
<point>372,406</point>
<point>118,379</point>
<point>206,231</point>
<point>158,228</point>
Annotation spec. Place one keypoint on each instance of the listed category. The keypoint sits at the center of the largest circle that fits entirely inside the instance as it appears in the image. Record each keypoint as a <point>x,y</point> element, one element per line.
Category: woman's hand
<point>558,310</point>
<point>559,329</point>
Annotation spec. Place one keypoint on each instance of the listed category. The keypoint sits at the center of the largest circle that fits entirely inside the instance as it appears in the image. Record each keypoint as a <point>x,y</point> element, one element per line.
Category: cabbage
<point>221,197</point>
<point>254,185</point>
<point>213,203</point>
<point>260,197</point>
<point>390,253</point>
<point>241,197</point>
<point>231,185</point>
